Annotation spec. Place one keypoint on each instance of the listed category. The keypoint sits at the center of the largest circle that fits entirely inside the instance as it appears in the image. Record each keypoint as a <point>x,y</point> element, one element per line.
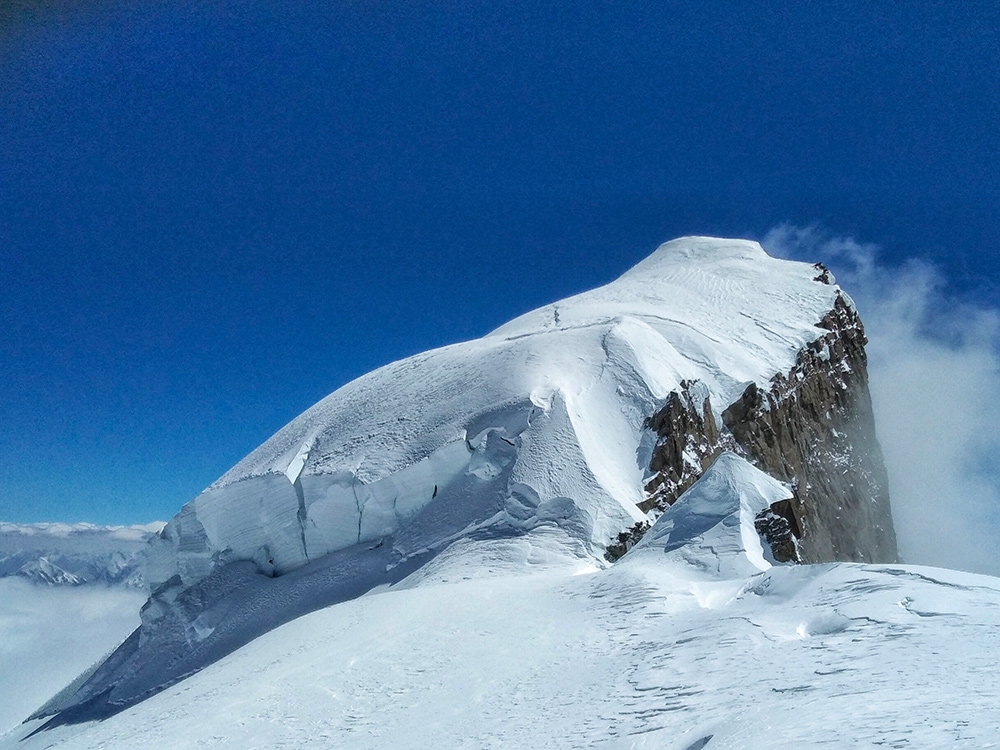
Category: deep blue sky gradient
<point>212,214</point>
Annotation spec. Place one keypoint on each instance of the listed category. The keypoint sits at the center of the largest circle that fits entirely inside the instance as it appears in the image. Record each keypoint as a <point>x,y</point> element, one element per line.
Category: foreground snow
<point>49,635</point>
<point>692,640</point>
<point>828,656</point>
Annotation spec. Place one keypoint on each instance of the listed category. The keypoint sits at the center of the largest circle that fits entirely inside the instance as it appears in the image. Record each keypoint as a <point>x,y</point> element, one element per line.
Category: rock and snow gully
<point>710,405</point>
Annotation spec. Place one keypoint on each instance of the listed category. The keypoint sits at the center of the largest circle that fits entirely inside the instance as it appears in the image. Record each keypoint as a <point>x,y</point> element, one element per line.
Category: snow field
<point>845,656</point>
<point>693,640</point>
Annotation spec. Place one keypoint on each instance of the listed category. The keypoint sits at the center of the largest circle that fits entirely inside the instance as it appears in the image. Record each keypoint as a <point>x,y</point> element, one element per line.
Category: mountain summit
<point>708,368</point>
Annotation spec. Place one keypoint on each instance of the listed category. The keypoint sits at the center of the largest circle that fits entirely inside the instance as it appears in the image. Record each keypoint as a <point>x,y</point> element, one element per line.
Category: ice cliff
<point>584,420</point>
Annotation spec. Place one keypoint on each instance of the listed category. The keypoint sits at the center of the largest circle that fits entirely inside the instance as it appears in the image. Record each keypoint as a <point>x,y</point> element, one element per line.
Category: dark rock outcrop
<point>779,528</point>
<point>626,540</point>
<point>812,428</point>
<point>689,441</point>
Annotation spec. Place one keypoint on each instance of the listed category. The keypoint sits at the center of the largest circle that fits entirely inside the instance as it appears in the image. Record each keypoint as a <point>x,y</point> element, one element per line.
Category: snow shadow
<point>203,623</point>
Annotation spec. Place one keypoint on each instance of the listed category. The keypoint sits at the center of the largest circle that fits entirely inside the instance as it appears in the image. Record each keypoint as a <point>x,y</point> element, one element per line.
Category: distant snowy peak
<point>42,570</point>
<point>74,554</point>
<point>81,531</point>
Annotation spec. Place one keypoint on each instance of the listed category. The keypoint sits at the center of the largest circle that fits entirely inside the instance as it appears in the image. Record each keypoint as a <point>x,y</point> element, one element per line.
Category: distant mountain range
<point>75,554</point>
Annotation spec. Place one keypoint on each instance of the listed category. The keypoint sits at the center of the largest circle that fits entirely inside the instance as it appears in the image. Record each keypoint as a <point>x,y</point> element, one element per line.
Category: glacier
<point>545,415</point>
<point>420,557</point>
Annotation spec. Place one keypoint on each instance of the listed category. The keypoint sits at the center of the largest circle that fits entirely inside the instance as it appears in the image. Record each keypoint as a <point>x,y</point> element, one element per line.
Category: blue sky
<point>213,214</point>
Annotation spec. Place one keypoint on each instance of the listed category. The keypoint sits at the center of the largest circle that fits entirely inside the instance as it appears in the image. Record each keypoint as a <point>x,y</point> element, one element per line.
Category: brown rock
<point>812,428</point>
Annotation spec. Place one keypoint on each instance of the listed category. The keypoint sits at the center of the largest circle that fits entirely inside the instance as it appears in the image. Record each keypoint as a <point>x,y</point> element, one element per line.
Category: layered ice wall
<point>543,420</point>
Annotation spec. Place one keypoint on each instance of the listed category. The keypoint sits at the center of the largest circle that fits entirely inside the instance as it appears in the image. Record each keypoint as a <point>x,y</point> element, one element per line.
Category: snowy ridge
<point>541,421</point>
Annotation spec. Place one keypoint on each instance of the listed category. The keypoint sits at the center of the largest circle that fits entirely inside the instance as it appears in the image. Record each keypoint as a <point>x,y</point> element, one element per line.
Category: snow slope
<point>541,421</point>
<point>693,640</point>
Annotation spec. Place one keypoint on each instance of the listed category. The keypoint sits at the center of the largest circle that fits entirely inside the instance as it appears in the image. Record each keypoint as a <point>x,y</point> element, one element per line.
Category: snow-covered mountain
<point>74,554</point>
<point>545,418</point>
<point>704,420</point>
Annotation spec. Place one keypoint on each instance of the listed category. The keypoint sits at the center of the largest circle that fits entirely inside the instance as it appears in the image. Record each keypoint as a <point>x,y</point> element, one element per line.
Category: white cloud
<point>934,373</point>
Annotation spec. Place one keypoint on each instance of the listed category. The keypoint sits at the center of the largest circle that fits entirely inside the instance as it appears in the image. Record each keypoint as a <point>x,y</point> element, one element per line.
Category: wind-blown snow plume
<point>935,383</point>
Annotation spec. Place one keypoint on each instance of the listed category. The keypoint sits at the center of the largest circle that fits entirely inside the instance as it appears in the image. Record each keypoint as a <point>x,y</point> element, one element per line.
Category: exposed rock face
<point>779,528</point>
<point>689,441</point>
<point>814,429</point>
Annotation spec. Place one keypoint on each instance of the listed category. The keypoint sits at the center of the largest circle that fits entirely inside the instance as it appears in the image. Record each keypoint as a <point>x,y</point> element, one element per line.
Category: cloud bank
<point>935,381</point>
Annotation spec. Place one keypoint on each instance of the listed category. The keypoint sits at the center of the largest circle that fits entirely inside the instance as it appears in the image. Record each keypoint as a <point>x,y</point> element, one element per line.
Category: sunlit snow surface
<point>827,656</point>
<point>518,643</point>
